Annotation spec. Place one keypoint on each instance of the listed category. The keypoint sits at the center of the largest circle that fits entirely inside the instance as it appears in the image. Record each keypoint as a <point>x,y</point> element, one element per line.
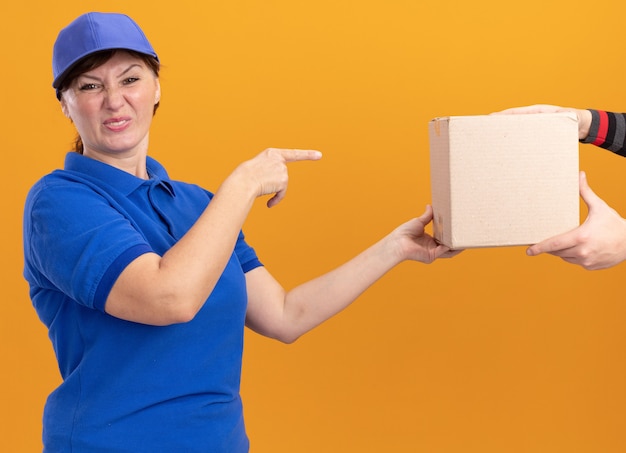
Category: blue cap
<point>93,32</point>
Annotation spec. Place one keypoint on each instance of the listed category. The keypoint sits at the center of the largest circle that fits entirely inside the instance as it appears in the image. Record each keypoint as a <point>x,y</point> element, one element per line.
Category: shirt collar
<point>121,180</point>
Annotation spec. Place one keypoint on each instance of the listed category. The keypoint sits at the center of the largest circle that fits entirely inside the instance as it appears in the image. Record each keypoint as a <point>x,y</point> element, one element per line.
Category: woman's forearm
<point>310,304</point>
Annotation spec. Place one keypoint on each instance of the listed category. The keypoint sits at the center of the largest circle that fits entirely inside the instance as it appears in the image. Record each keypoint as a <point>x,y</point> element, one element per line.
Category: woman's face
<point>112,107</point>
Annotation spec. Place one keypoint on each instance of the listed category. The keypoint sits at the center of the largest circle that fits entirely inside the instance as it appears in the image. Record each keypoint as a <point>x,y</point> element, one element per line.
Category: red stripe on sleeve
<point>603,127</point>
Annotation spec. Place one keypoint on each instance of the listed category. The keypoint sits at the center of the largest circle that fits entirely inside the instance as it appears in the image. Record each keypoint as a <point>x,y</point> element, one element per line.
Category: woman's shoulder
<point>64,190</point>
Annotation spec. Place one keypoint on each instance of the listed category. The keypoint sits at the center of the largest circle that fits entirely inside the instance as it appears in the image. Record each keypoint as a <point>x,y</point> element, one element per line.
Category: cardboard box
<point>503,180</point>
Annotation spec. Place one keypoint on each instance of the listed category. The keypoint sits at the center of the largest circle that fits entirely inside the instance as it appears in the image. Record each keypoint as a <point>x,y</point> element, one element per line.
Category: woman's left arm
<point>286,316</point>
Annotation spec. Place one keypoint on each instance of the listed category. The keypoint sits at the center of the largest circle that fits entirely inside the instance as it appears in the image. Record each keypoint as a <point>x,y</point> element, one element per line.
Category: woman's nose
<point>113,98</point>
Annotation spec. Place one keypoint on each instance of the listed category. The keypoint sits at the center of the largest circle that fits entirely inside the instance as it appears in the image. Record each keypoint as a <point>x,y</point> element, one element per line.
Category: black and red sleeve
<point>608,131</point>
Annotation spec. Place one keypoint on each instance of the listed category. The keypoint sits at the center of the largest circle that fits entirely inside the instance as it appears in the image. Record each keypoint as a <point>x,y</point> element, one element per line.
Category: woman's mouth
<point>117,124</point>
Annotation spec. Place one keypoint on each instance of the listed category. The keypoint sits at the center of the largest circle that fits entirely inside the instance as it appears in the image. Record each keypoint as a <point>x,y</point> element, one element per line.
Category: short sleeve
<point>246,254</point>
<point>77,240</point>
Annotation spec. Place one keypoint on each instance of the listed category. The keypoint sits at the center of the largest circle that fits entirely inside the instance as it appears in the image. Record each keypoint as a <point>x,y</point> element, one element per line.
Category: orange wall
<point>489,352</point>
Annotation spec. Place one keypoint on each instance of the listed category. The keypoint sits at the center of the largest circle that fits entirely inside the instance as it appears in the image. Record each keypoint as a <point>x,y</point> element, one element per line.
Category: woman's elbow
<point>287,336</point>
<point>287,340</point>
<point>284,335</point>
<point>165,312</point>
<point>182,315</point>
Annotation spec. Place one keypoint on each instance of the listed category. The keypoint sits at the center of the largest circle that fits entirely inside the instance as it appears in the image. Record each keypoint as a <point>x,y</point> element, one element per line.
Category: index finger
<point>554,244</point>
<point>294,155</point>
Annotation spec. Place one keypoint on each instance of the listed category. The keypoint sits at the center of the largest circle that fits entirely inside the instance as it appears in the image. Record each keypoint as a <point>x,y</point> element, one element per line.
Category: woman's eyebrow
<point>129,68</point>
<point>121,74</point>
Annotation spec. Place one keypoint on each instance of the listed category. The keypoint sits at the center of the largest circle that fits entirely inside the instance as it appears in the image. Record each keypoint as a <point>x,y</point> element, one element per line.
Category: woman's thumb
<point>588,195</point>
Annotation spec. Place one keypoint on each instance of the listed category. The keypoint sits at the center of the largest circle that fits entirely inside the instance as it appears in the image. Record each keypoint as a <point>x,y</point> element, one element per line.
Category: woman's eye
<point>88,86</point>
<point>130,80</point>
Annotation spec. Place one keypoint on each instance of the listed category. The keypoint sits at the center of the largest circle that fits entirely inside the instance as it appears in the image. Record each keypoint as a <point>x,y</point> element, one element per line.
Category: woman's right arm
<point>172,288</point>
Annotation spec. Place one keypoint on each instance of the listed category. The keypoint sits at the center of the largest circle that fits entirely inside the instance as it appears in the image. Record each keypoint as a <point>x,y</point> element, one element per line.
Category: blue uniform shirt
<point>130,387</point>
